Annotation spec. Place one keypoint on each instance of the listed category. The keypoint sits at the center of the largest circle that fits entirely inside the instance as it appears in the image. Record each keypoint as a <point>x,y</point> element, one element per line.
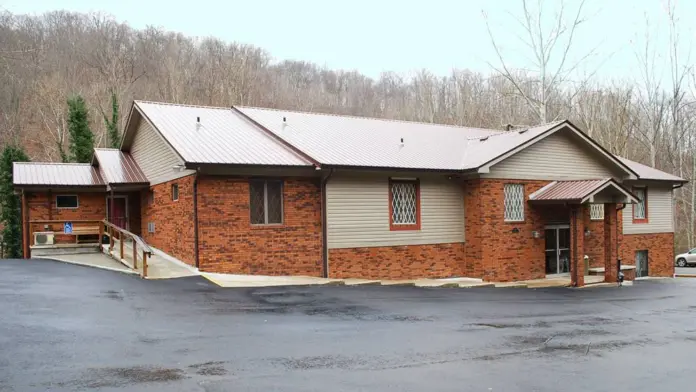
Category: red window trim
<point>645,201</point>
<point>398,227</point>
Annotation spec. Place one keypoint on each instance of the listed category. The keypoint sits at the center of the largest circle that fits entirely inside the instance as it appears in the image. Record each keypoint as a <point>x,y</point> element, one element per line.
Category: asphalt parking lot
<point>66,327</point>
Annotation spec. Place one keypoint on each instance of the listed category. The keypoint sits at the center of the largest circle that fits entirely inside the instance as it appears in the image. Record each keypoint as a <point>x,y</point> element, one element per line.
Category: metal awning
<point>118,168</point>
<point>605,190</point>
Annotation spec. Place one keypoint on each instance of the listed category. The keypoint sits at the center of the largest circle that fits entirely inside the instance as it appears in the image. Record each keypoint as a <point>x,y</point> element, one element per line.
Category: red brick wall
<point>230,244</point>
<point>174,229</point>
<point>660,247</point>
<point>397,262</point>
<point>504,251</point>
<point>91,206</point>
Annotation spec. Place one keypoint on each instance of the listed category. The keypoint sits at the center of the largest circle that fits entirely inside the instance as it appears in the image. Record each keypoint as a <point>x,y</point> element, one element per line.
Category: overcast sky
<point>372,36</point>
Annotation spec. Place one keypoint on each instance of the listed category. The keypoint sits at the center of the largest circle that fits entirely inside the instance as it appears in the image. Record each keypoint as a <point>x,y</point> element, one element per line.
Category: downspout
<point>574,250</point>
<point>26,235</point>
<point>195,218</point>
<point>618,241</point>
<point>324,230</point>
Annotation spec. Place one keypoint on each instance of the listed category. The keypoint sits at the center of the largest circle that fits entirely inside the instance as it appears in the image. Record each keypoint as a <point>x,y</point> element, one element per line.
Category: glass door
<point>557,249</point>
<point>641,263</point>
<point>564,250</point>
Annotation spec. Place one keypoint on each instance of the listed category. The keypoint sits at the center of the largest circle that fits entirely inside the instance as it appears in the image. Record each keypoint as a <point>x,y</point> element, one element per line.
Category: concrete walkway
<point>231,280</point>
<point>158,265</point>
<point>95,259</point>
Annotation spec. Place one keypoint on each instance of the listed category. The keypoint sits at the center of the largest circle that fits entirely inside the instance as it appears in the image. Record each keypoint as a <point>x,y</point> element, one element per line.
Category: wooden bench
<point>85,231</point>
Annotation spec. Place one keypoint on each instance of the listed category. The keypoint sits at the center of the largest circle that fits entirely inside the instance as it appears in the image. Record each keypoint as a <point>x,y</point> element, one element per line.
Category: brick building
<point>262,191</point>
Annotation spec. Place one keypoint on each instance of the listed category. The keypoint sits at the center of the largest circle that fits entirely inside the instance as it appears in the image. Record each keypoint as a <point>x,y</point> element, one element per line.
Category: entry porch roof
<point>605,190</point>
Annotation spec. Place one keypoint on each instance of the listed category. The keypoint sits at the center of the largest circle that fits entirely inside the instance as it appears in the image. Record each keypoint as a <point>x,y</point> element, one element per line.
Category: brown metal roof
<point>118,167</point>
<point>55,174</point>
<point>217,135</point>
<point>576,191</point>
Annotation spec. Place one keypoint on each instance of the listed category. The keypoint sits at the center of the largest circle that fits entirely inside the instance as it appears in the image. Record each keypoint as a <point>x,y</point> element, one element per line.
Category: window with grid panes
<point>597,211</point>
<point>266,202</point>
<point>639,210</point>
<point>514,202</point>
<point>404,203</point>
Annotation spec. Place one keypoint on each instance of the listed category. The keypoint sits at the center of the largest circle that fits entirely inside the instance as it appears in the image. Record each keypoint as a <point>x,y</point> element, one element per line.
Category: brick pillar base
<point>610,243</point>
<point>577,246</point>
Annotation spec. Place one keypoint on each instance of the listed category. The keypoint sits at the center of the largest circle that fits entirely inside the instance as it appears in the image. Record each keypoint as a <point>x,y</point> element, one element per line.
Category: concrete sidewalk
<point>95,260</point>
<point>159,265</point>
<point>232,280</point>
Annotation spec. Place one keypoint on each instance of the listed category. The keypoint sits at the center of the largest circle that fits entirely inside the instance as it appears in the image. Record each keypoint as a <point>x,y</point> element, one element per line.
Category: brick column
<point>610,243</point>
<point>577,246</point>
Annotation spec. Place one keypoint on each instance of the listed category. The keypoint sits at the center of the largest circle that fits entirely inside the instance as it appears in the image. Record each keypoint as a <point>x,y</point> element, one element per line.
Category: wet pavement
<point>685,270</point>
<point>66,327</point>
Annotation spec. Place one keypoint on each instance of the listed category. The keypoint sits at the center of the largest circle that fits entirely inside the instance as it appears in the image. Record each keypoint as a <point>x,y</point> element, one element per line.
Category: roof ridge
<point>107,149</point>
<point>183,104</point>
<point>368,118</point>
<point>54,163</point>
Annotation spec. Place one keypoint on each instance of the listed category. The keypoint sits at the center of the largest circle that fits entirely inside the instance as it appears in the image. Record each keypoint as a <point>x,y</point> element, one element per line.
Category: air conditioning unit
<point>43,238</point>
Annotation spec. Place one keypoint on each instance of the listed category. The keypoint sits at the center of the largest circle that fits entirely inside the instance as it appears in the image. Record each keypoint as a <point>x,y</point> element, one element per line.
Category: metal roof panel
<point>222,136</point>
<point>118,167</point>
<point>56,174</point>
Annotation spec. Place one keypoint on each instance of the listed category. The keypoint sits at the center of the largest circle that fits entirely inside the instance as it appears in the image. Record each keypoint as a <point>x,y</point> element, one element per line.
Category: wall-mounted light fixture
<point>536,234</point>
<point>587,232</point>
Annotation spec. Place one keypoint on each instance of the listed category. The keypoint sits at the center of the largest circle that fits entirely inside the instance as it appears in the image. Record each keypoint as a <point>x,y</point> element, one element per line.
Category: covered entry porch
<point>569,209</point>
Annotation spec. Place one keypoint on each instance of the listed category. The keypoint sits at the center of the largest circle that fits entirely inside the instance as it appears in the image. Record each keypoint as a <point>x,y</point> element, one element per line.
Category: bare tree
<point>550,48</point>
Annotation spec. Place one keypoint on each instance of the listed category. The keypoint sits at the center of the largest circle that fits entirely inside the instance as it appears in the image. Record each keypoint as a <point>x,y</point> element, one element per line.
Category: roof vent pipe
<point>198,123</point>
<point>401,144</point>
<point>285,122</point>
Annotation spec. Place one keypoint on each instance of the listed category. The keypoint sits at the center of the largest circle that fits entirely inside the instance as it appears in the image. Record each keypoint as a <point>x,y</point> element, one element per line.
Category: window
<point>404,204</point>
<point>597,211</point>
<point>175,192</point>
<point>640,210</point>
<point>514,202</point>
<point>150,227</point>
<point>266,202</point>
<point>66,201</point>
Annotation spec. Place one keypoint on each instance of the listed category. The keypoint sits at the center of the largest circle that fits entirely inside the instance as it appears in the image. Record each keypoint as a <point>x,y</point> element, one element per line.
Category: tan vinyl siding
<point>556,157</point>
<point>154,156</point>
<point>660,213</point>
<point>358,213</point>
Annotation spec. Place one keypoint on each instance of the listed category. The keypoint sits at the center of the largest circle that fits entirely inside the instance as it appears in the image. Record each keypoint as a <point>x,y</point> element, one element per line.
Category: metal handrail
<point>111,229</point>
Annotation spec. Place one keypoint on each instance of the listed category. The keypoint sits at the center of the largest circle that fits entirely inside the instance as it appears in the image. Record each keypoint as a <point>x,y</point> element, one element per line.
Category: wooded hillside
<point>46,59</point>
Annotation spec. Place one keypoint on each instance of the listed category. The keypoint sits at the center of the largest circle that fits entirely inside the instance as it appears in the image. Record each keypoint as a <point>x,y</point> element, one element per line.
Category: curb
<point>511,286</point>
<point>476,286</point>
<point>399,284</point>
<point>685,275</point>
<point>127,272</point>
<point>366,283</point>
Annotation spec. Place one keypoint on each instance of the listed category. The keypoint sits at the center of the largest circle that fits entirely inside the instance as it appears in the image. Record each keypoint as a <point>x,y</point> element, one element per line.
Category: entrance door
<point>117,207</point>
<point>642,263</point>
<point>557,249</point>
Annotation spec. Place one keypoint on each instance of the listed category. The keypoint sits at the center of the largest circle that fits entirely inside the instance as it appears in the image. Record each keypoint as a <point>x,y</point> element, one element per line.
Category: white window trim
<point>177,192</point>
<point>521,201</point>
<point>265,204</point>
<point>77,200</point>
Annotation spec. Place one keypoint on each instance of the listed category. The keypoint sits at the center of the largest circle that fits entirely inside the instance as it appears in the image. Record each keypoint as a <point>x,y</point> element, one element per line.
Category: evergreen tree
<point>112,124</point>
<point>10,203</point>
<point>81,137</point>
